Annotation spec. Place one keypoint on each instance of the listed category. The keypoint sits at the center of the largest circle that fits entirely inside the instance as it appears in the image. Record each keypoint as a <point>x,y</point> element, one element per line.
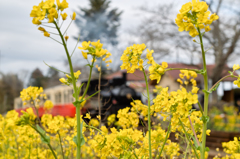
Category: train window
<point>66,97</point>
<point>70,92</point>
<point>48,97</point>
<point>58,97</point>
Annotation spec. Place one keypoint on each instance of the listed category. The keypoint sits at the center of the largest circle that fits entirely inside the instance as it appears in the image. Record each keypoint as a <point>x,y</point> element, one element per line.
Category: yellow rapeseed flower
<point>64,16</point>
<point>63,5</point>
<point>73,16</point>
<point>236,67</point>
<point>131,57</point>
<point>194,15</point>
<point>46,34</point>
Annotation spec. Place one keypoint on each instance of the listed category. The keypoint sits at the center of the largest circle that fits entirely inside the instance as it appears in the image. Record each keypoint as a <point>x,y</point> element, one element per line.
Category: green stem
<point>200,107</point>
<point>43,136</point>
<point>165,140</point>
<point>75,92</point>
<point>206,94</point>
<point>221,80</point>
<point>185,132</point>
<point>89,78</point>
<point>195,70</point>
<point>149,117</point>
<point>60,143</point>
<point>92,127</point>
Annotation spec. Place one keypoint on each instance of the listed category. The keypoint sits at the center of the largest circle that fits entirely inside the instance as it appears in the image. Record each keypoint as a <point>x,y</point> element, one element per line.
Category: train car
<point>114,95</point>
<point>60,95</point>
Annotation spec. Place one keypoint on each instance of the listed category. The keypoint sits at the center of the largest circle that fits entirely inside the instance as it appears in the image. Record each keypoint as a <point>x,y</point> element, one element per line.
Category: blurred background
<point>118,24</point>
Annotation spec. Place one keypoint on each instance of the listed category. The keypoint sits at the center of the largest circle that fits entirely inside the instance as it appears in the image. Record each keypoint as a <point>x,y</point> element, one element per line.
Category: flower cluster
<point>156,71</point>
<point>48,105</point>
<point>187,76</point>
<point>237,81</point>
<point>232,148</point>
<point>47,9</point>
<point>68,80</point>
<point>236,67</point>
<point>32,95</point>
<point>193,16</point>
<point>131,58</point>
<point>127,119</point>
<point>96,51</point>
<point>140,108</point>
<point>50,11</point>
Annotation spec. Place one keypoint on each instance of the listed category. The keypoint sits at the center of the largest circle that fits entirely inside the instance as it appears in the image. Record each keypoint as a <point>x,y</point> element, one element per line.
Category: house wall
<point>168,81</point>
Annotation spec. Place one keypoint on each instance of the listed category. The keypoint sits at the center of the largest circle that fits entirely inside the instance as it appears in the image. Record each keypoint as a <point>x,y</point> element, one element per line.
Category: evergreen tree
<point>98,22</point>
<point>37,79</point>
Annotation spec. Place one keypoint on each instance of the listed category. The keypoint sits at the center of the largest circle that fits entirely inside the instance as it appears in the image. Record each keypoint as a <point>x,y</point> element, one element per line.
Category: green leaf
<point>82,140</point>
<point>231,73</point>
<point>45,139</point>
<point>207,149</point>
<point>215,88</point>
<point>40,130</point>
<point>205,119</point>
<point>201,71</point>
<point>75,139</point>
<point>195,142</point>
<point>204,91</point>
<point>77,103</point>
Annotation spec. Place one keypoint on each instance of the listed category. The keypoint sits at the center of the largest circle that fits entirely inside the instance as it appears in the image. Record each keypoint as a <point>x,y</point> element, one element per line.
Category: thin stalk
<point>75,45</point>
<point>186,150</point>
<point>60,143</point>
<point>185,132</point>
<point>195,70</point>
<point>43,136</point>
<point>200,107</point>
<point>220,81</point>
<point>149,117</point>
<point>89,78</point>
<point>133,152</point>
<point>52,33</point>
<point>206,94</point>
<point>47,26</point>
<point>67,27</point>
<point>36,109</point>
<point>165,140</point>
<point>99,89</point>
<point>75,92</point>
<point>29,149</point>
<point>195,135</point>
<point>55,40</point>
<point>92,127</point>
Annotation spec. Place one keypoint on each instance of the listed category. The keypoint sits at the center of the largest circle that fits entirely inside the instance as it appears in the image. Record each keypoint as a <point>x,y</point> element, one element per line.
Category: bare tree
<point>159,31</point>
<point>10,87</point>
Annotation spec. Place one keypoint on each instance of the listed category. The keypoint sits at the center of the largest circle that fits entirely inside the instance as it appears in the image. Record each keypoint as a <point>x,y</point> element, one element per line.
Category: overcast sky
<point>23,47</point>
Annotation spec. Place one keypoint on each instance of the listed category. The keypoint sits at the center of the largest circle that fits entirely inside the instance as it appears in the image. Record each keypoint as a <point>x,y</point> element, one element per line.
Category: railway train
<point>114,94</point>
